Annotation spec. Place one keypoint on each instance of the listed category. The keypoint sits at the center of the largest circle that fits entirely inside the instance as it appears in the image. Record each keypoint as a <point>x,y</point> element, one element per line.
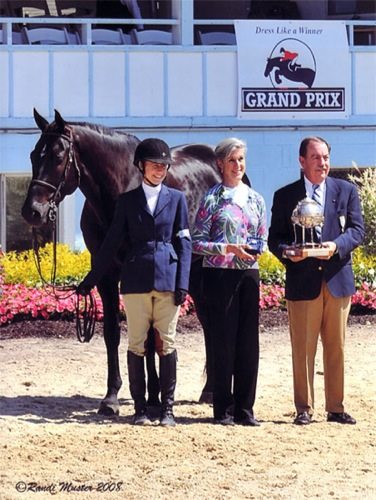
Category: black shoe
<point>225,420</point>
<point>341,418</point>
<point>303,418</point>
<point>141,418</point>
<point>248,420</point>
<point>167,419</point>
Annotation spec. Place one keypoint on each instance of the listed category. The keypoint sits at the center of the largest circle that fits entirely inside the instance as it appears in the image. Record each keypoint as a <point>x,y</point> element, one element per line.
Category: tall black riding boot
<point>137,387</point>
<point>152,375</point>
<point>167,375</point>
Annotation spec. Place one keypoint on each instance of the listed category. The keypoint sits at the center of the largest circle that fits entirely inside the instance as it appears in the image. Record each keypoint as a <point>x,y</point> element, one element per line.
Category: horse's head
<point>55,173</point>
<point>268,67</point>
<point>271,63</point>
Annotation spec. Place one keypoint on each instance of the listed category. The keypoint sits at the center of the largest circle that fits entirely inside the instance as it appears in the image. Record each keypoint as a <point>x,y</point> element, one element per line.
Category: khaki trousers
<point>325,316</point>
<point>156,309</point>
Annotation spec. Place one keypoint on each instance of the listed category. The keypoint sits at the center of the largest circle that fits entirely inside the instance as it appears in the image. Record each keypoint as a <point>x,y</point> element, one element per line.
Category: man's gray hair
<point>227,146</point>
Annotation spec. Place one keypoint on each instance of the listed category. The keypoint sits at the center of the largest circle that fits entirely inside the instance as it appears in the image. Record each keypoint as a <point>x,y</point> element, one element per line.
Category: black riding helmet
<point>152,150</point>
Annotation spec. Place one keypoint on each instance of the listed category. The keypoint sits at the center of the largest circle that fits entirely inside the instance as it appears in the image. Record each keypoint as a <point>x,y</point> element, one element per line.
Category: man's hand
<point>331,246</point>
<point>180,296</point>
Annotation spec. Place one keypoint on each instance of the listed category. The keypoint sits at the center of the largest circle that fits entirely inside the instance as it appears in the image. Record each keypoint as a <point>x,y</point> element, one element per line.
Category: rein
<point>85,319</point>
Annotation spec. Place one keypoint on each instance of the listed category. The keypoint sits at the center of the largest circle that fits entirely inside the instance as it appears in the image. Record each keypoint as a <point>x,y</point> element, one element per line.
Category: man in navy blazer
<point>318,290</point>
<point>151,224</point>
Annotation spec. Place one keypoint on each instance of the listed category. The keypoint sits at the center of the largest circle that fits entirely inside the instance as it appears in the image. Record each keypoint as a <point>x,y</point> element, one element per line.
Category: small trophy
<point>254,246</point>
<point>307,215</point>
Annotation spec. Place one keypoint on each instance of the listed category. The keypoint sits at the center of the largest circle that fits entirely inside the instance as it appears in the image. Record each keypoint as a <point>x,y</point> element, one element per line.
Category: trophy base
<point>306,252</point>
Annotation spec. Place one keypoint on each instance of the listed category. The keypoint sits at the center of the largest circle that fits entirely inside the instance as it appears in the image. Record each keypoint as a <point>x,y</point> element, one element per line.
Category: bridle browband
<point>85,327</point>
<point>71,159</point>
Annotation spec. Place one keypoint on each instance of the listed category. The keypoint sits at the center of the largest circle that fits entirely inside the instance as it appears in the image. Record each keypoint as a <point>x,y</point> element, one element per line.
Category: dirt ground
<point>53,442</point>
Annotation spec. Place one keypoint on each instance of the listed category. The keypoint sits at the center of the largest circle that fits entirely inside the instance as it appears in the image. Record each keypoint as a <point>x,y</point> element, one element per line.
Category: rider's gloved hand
<point>84,287</point>
<point>180,296</point>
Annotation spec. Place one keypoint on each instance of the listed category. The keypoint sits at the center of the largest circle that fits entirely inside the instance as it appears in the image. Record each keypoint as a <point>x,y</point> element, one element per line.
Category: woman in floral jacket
<point>231,231</point>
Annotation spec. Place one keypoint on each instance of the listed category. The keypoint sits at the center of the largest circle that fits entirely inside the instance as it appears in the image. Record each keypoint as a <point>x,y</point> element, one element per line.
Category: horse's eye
<point>59,150</point>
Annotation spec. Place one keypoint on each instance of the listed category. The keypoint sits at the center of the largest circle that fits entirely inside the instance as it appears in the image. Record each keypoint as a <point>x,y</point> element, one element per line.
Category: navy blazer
<point>343,225</point>
<point>157,246</point>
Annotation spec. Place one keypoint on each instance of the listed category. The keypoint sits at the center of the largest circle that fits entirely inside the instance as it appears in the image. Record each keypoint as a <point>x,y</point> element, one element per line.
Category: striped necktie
<point>316,197</point>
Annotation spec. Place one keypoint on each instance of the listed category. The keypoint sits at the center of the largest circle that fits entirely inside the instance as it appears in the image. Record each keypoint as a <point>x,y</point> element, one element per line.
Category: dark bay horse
<point>99,162</point>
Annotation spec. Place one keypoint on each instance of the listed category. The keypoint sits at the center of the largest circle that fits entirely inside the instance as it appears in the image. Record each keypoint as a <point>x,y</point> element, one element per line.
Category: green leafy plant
<point>271,269</point>
<point>365,181</point>
<point>364,266</point>
<point>23,297</point>
<point>19,267</point>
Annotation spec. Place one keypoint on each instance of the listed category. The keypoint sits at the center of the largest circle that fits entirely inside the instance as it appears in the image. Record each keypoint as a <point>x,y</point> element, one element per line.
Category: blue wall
<point>272,158</point>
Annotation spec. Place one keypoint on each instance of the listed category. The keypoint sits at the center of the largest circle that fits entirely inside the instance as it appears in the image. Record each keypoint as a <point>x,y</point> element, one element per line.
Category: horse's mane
<point>101,129</point>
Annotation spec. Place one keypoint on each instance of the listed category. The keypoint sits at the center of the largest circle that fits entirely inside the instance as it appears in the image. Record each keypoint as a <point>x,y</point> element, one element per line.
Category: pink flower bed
<point>272,296</point>
<point>365,298</point>
<point>18,302</point>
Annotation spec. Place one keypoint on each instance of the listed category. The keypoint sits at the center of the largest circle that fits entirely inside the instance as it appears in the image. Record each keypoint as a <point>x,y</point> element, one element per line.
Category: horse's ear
<point>59,120</point>
<point>40,121</point>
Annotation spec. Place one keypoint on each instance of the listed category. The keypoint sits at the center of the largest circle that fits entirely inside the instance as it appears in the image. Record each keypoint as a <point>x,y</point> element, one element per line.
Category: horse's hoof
<point>206,397</point>
<point>108,409</point>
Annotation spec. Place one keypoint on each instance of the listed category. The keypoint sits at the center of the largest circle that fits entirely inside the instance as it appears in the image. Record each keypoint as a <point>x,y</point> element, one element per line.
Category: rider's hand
<point>180,296</point>
<point>84,287</point>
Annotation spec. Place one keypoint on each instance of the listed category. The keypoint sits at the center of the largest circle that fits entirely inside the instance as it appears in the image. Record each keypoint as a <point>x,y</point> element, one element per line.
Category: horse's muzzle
<point>35,213</point>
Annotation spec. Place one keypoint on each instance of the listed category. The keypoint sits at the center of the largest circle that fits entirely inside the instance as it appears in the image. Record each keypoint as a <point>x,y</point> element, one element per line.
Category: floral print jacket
<point>226,215</point>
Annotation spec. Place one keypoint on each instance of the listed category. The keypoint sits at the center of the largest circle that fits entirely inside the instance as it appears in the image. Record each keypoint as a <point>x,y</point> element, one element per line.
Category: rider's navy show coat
<point>157,246</point>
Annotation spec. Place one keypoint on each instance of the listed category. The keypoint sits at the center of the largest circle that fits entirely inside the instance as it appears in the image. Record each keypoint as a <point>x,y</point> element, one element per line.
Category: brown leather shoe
<point>303,418</point>
<point>341,418</point>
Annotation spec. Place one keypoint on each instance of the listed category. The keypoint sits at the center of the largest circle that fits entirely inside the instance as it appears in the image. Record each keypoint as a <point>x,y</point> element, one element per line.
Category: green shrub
<point>20,267</point>
<point>364,266</point>
<point>271,269</point>
<point>365,181</point>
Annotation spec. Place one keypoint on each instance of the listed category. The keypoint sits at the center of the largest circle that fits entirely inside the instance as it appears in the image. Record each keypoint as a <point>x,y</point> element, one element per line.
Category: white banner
<point>290,69</point>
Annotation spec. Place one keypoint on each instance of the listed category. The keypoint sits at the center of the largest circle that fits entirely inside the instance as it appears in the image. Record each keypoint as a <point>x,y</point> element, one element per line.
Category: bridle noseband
<point>71,159</point>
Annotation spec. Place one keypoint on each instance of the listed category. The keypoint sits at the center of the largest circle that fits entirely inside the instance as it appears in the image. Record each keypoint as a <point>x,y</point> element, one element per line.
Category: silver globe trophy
<point>307,215</point>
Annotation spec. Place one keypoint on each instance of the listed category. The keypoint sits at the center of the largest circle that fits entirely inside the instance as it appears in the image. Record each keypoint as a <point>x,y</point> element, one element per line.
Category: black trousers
<point>233,313</point>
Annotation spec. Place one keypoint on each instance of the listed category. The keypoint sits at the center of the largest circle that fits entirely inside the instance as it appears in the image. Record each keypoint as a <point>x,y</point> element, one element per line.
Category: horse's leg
<point>197,294</point>
<point>109,292</point>
<point>207,390</point>
<point>152,375</point>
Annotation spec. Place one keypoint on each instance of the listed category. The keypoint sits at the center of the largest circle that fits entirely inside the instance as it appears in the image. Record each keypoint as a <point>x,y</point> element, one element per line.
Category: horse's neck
<point>105,169</point>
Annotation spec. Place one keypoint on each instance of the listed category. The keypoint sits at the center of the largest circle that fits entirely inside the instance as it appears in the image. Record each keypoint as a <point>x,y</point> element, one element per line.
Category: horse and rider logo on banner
<point>289,74</point>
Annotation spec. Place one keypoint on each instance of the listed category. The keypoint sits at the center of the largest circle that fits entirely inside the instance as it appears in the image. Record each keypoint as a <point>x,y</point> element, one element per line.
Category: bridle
<point>85,318</point>
<point>70,160</point>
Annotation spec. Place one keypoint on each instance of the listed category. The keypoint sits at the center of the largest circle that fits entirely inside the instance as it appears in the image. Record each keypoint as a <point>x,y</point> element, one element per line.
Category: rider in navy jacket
<point>157,249</point>
<point>151,226</point>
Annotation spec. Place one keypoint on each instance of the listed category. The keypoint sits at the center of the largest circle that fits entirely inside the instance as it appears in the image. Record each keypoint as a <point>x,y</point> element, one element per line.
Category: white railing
<point>360,33</point>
